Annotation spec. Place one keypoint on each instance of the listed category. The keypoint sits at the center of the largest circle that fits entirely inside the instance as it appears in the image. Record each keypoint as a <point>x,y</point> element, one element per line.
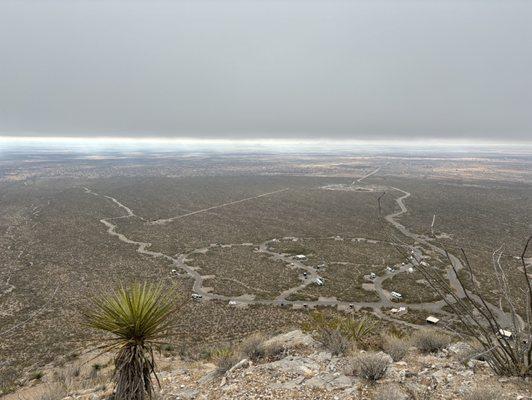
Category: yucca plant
<point>136,318</point>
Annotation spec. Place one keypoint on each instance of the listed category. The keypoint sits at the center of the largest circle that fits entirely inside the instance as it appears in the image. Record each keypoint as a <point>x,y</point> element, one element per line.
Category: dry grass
<point>252,347</point>
<point>370,366</point>
<point>430,341</point>
<point>395,347</point>
<point>334,341</point>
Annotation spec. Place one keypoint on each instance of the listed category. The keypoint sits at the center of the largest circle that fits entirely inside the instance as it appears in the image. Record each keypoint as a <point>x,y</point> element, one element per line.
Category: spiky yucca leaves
<point>358,330</point>
<point>137,318</point>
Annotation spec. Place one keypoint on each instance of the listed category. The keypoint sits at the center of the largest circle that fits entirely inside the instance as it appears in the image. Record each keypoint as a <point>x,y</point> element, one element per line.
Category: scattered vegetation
<point>430,341</point>
<point>137,319</point>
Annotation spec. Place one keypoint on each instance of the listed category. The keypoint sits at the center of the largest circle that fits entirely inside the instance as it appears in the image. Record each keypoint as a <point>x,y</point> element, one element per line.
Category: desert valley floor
<point>251,243</point>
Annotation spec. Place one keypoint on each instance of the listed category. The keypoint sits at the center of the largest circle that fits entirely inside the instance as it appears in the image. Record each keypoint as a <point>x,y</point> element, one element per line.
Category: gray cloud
<point>267,69</point>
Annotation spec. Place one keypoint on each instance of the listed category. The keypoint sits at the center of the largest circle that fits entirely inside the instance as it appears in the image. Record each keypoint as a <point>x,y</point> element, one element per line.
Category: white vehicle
<point>424,263</point>
<point>505,334</point>
<point>174,271</point>
<point>400,310</point>
<point>196,296</point>
<point>396,295</point>
<point>301,257</point>
<point>432,320</point>
<point>319,281</point>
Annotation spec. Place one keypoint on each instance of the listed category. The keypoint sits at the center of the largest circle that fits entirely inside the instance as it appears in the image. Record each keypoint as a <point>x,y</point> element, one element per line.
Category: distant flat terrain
<point>230,228</point>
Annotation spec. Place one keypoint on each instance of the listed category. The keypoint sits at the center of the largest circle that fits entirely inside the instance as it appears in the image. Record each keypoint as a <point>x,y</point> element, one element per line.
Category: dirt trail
<point>167,220</point>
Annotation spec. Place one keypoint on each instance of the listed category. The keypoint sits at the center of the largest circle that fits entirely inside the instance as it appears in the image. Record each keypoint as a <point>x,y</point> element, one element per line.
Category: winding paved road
<point>179,262</point>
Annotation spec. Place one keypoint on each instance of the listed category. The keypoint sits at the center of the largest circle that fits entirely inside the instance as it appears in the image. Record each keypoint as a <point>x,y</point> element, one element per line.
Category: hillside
<point>294,366</point>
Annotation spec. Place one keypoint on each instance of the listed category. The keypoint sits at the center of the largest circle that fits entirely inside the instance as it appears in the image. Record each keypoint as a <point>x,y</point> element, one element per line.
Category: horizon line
<point>269,141</point>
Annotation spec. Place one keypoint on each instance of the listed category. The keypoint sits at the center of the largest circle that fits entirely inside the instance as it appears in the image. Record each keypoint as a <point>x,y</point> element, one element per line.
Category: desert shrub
<point>389,392</point>
<point>430,341</point>
<point>36,375</point>
<point>224,359</point>
<point>482,394</point>
<point>371,366</point>
<point>275,351</point>
<point>167,347</point>
<point>395,347</point>
<point>252,347</point>
<point>136,319</point>
<point>95,369</point>
<point>334,341</point>
<point>357,330</point>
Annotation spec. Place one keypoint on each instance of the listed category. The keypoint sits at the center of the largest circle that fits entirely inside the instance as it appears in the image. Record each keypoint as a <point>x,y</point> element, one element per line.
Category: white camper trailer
<point>396,295</point>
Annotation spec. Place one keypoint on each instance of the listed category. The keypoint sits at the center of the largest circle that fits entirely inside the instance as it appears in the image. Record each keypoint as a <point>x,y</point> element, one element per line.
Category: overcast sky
<point>267,69</point>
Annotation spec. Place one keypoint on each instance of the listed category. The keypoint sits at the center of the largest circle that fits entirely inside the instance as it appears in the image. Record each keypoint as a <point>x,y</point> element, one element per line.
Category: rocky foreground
<point>305,370</point>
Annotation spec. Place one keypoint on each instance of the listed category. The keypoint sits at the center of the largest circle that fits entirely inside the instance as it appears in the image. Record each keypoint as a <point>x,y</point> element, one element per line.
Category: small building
<point>232,302</point>
<point>396,295</point>
<point>372,276</point>
<point>432,320</point>
<point>390,269</point>
<point>410,270</point>
<point>196,296</point>
<point>174,271</point>
<point>319,281</point>
<point>301,257</point>
<point>424,264</point>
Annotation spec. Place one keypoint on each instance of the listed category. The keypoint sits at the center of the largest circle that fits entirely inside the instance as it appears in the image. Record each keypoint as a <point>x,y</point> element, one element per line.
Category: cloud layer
<point>267,69</point>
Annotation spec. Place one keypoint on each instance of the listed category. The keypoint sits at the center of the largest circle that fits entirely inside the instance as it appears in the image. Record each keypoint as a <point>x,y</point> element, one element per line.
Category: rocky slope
<point>305,370</point>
